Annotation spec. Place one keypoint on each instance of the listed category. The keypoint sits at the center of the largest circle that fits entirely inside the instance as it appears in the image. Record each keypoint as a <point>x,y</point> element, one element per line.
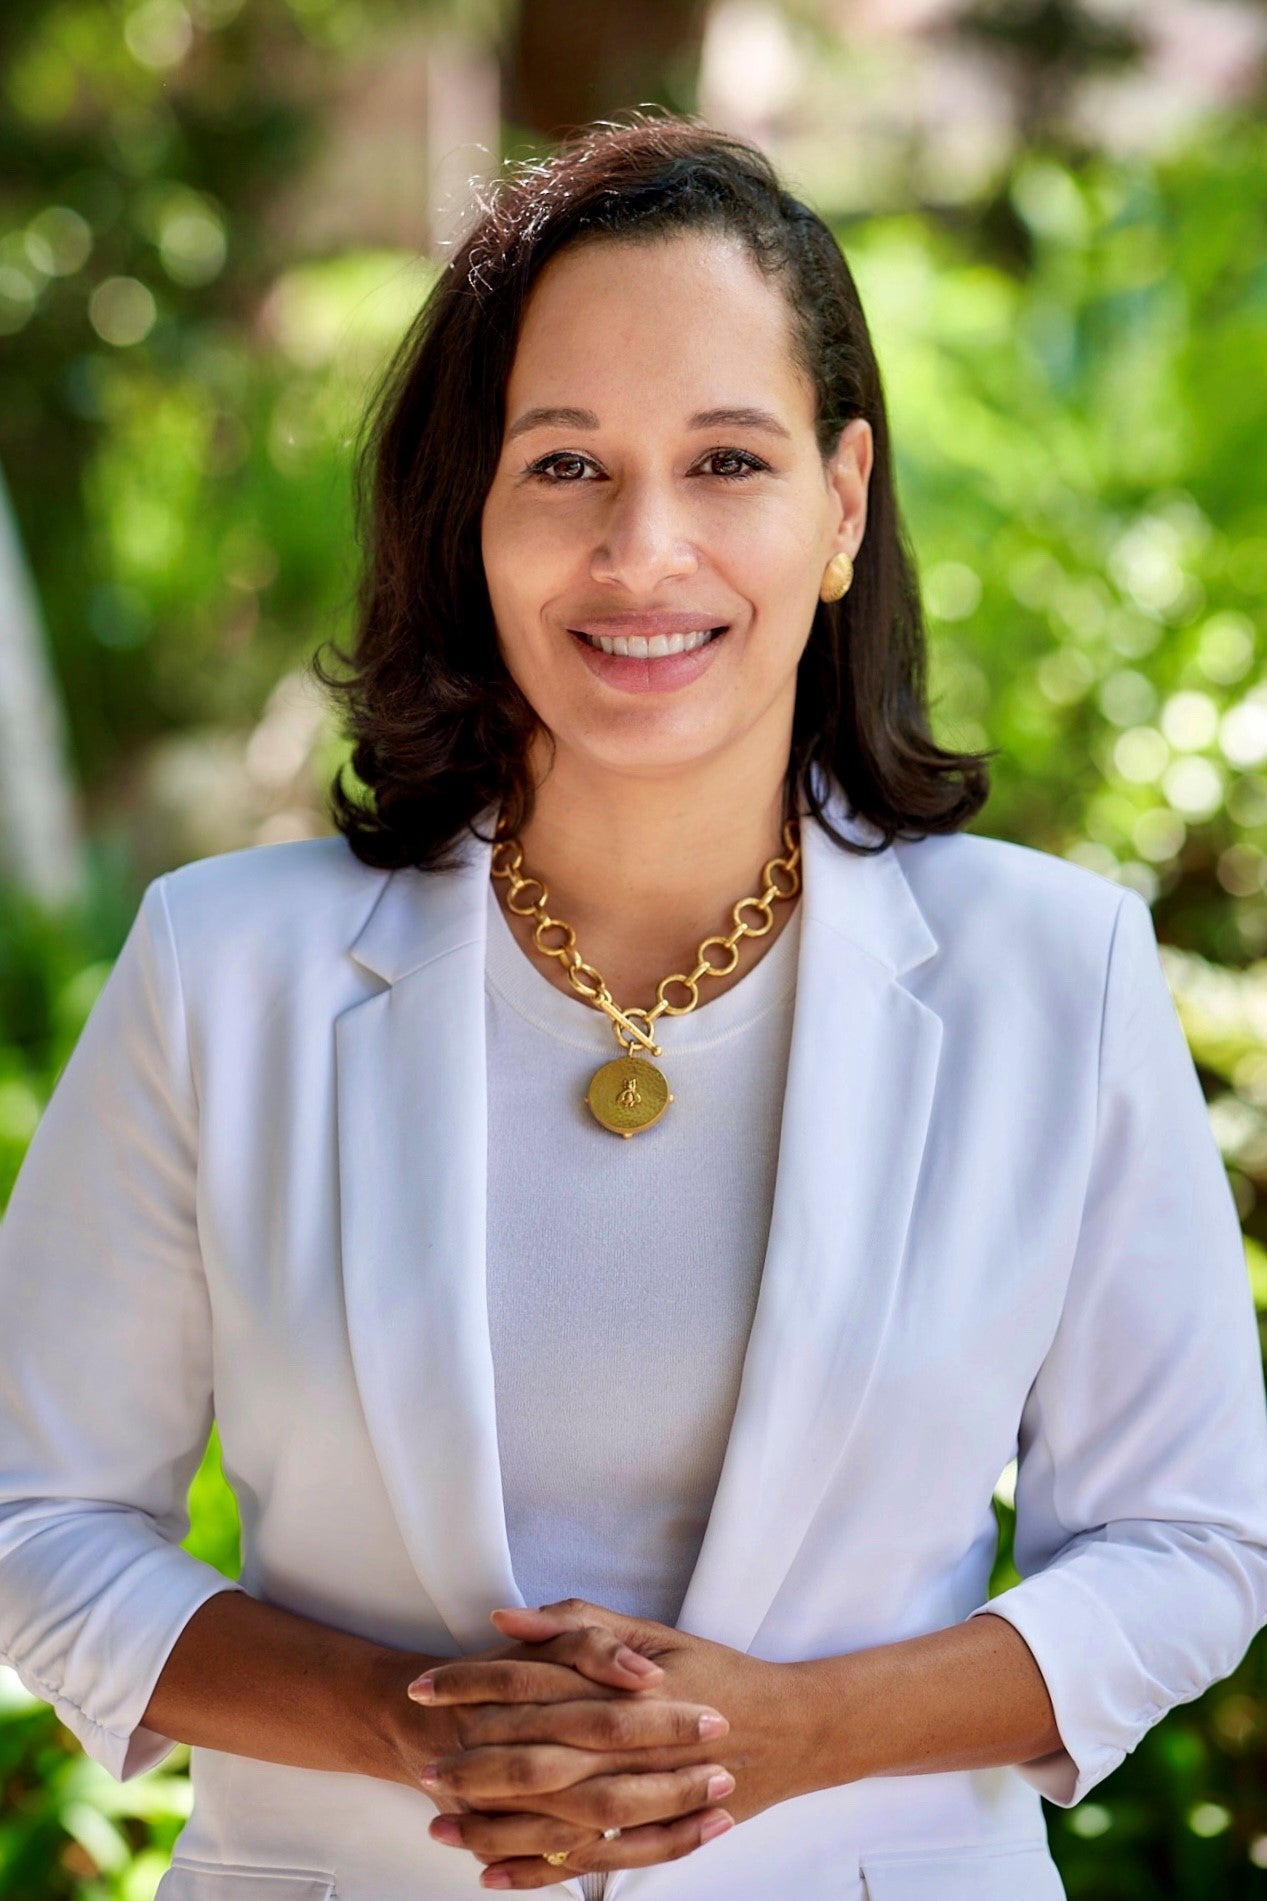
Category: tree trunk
<point>566,64</point>
<point>41,849</point>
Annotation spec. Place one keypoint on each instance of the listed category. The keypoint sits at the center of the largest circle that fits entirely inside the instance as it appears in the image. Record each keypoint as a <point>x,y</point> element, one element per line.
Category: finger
<point>638,1848</point>
<point>567,1613</point>
<point>544,1777</point>
<point>606,1724</point>
<point>503,1680</point>
<point>495,1837</point>
<point>618,1762</point>
<point>575,1817</point>
<point>600,1651</point>
<point>538,1619</point>
<point>513,1773</point>
<point>629,1639</point>
<point>629,1801</point>
<point>601,1655</point>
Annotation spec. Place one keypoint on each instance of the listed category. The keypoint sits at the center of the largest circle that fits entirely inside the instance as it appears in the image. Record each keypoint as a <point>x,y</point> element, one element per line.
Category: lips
<point>632,673</point>
<point>657,647</point>
<point>661,621</point>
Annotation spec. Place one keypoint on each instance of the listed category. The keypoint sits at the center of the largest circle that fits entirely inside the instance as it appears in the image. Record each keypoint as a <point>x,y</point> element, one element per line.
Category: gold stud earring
<point>837,578</point>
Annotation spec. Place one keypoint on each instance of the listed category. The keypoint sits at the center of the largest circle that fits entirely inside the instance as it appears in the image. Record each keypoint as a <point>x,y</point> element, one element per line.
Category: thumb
<point>552,1620</point>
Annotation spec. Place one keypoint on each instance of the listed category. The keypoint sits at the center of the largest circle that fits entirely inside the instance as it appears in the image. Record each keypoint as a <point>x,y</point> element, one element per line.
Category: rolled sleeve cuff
<point>1082,1657</point>
<point>125,1747</point>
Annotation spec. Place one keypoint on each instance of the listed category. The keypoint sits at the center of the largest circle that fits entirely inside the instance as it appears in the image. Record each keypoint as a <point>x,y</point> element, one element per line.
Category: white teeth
<point>639,648</point>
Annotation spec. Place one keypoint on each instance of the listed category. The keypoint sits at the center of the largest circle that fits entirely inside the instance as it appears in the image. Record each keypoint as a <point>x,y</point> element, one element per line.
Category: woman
<point>708,1328</point>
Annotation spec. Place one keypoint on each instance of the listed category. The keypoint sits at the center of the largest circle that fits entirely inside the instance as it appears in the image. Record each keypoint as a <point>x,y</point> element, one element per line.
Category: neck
<point>642,870</point>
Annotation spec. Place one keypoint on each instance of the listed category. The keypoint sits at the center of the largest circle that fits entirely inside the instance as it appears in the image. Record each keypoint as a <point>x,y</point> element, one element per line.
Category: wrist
<point>826,1747</point>
<point>396,1737</point>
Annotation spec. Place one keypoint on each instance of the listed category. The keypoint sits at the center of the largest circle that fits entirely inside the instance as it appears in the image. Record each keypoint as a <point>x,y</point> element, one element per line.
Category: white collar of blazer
<point>412,1126</point>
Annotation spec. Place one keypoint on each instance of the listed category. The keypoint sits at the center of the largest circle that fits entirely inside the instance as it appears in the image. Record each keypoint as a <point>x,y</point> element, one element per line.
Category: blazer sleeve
<point>1141,1487</point>
<point>105,1374</point>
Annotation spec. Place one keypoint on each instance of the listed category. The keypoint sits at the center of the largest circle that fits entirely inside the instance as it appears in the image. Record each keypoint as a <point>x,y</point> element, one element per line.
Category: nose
<point>644,538</point>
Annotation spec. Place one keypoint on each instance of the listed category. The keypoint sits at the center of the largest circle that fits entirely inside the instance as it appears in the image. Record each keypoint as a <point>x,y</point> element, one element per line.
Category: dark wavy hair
<point>440,730</point>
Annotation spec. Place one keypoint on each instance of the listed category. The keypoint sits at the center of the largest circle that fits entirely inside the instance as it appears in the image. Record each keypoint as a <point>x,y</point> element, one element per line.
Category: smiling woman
<point>647,379</point>
<point>705,1421</point>
<point>641,497</point>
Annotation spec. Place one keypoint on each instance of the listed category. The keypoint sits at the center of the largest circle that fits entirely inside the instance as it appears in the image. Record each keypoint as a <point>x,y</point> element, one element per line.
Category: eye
<point>545,467</point>
<point>749,464</point>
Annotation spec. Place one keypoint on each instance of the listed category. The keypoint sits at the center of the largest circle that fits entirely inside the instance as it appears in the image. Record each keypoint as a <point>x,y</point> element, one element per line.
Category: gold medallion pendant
<point>628,1094</point>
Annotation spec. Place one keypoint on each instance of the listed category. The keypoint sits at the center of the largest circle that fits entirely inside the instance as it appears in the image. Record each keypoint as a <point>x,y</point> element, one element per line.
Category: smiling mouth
<point>657,647</point>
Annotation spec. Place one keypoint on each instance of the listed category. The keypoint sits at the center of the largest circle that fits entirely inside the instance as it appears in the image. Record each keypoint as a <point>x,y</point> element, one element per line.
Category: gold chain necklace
<point>630,1093</point>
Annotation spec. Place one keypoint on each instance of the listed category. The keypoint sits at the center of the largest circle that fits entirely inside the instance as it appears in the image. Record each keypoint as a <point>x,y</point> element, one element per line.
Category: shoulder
<point>1009,907</point>
<point>973,869</point>
<point>280,898</point>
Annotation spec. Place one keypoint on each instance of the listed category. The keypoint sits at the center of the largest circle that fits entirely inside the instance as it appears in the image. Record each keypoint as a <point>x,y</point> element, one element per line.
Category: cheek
<point>774,566</point>
<point>522,570</point>
<point>771,542</point>
<point>777,535</point>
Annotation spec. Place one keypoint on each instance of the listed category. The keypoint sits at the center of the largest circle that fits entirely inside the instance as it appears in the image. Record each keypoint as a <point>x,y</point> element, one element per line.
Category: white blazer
<point>1001,1228</point>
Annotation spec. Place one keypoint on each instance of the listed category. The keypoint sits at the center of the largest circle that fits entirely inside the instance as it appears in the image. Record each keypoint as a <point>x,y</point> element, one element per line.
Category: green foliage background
<point>1075,380</point>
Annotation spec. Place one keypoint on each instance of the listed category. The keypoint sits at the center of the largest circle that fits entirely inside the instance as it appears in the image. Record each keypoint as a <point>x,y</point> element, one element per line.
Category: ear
<point>848,473</point>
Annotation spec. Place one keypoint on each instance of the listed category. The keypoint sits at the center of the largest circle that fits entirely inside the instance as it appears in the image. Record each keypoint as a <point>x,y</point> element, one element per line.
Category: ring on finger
<point>559,1858</point>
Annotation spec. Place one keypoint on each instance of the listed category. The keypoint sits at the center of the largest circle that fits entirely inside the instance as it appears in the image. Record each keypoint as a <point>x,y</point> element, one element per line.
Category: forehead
<point>683,310</point>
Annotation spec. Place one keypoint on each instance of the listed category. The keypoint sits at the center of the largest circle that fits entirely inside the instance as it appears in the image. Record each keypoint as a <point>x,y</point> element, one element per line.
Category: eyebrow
<point>561,418</point>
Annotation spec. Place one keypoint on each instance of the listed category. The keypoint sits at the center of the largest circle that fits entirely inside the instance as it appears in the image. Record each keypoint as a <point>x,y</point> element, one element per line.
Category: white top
<point>623,1274</point>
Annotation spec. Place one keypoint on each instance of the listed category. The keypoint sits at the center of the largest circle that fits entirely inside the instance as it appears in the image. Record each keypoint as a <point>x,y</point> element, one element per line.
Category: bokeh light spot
<point>158,33</point>
<point>122,311</point>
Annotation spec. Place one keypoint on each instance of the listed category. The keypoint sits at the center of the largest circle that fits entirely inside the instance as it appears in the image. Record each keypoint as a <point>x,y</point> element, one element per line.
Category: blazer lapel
<point>412,1134</point>
<point>861,1073</point>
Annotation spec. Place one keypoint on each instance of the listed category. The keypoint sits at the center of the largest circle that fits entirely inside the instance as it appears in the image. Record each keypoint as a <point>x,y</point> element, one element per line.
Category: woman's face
<point>660,477</point>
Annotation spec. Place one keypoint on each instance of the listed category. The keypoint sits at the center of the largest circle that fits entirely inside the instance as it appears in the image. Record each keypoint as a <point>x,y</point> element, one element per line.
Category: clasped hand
<point>549,1739</point>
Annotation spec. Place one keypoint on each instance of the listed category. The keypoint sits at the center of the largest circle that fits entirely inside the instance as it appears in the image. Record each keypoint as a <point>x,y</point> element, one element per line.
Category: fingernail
<point>716,1825</point>
<point>422,1689</point>
<point>713,1723</point>
<point>633,1660</point>
<point>443,1830</point>
<point>430,1774</point>
<point>719,1785</point>
<point>494,1878</point>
